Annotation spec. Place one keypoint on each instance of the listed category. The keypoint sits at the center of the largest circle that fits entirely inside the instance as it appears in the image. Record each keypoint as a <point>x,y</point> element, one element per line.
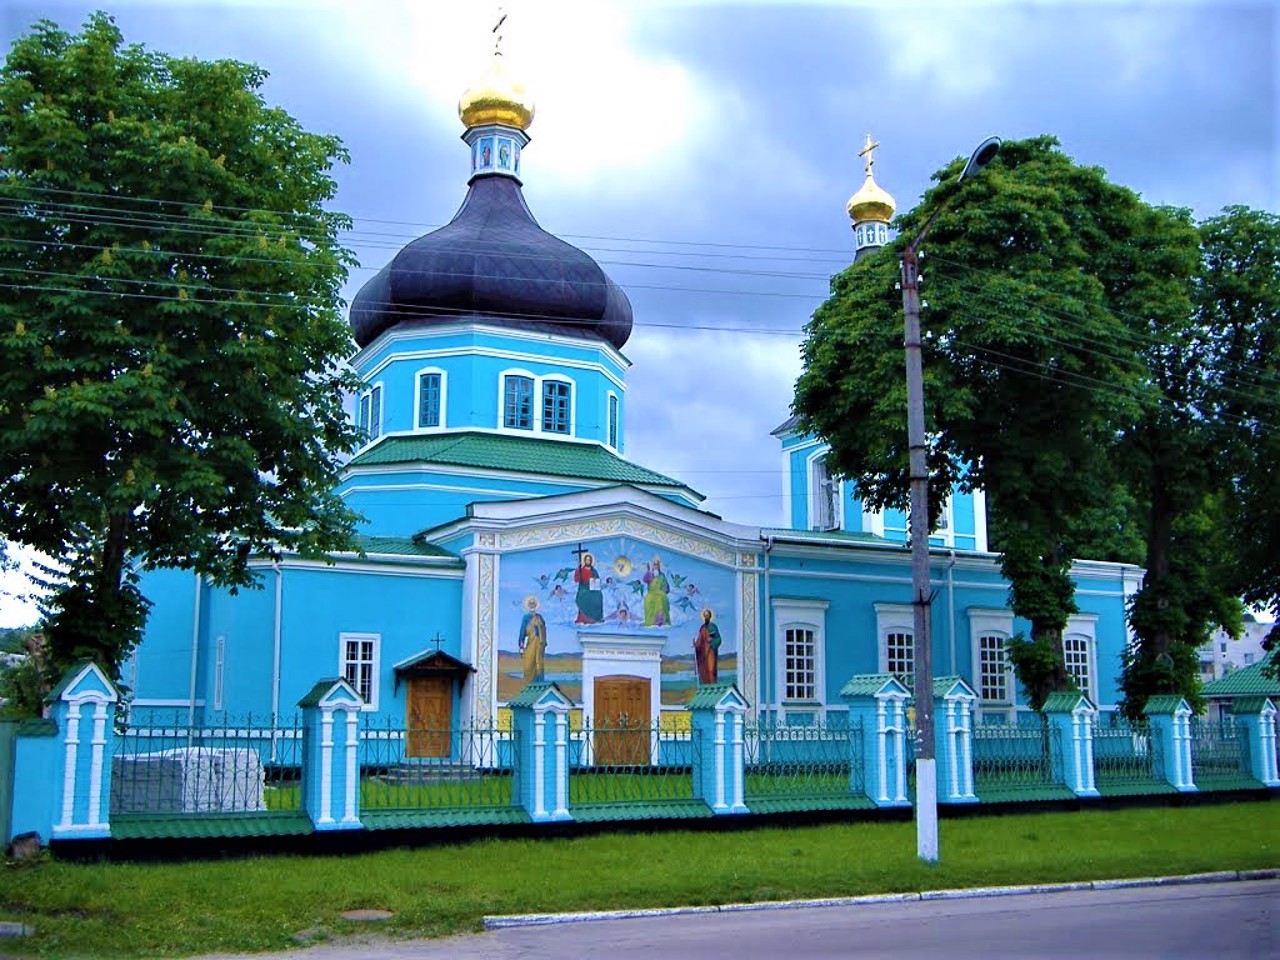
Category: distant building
<point>1225,654</point>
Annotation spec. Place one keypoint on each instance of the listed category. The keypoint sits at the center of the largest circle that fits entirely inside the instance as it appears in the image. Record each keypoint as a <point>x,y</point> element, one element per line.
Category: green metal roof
<point>1246,682</point>
<point>943,685</point>
<point>457,817</point>
<point>869,684</point>
<point>711,694</point>
<point>403,547</point>
<point>1063,701</point>
<point>561,458</point>
<point>320,691</point>
<point>1164,704</point>
<point>1246,706</point>
<point>531,693</point>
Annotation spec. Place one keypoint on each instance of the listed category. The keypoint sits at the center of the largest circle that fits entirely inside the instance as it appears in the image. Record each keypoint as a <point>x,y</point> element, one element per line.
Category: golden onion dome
<point>871,202</point>
<point>496,97</point>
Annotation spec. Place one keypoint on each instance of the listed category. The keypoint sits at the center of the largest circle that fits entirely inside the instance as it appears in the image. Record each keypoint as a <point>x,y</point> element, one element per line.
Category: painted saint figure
<point>590,597</point>
<point>657,603</point>
<point>533,641</point>
<point>706,649</point>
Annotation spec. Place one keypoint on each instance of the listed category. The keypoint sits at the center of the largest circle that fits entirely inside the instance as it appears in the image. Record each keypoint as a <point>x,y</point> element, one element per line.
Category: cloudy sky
<point>703,151</point>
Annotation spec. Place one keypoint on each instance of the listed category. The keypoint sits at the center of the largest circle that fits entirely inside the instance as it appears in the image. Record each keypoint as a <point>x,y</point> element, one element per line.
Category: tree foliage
<point>169,326</point>
<point>1106,370</point>
<point>1027,379</point>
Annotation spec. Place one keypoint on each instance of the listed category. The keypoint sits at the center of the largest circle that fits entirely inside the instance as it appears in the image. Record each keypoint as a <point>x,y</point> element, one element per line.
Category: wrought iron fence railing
<point>434,768</point>
<point>1013,759</point>
<point>220,765</point>
<point>803,764</point>
<point>1126,757</point>
<point>630,764</point>
<point>1219,754</point>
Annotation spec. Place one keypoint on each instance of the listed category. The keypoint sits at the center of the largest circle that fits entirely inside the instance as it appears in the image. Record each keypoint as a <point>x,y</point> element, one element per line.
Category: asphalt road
<point>1219,921</point>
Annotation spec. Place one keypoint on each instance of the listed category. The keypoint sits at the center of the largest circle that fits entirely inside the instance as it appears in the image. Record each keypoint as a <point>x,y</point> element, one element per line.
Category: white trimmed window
<point>989,633</point>
<point>1079,643</point>
<point>358,662</point>
<point>613,420</point>
<point>517,402</point>
<point>430,399</point>
<point>895,628</point>
<point>824,495</point>
<point>538,404</point>
<point>800,625</point>
<point>219,668</point>
<point>369,413</point>
<point>557,406</point>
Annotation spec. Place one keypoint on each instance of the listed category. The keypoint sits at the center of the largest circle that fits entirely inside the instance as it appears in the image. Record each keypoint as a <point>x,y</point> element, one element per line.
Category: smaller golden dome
<point>496,97</point>
<point>871,202</point>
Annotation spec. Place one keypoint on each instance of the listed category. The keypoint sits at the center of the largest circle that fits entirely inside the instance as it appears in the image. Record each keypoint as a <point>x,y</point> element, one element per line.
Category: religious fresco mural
<point>550,597</point>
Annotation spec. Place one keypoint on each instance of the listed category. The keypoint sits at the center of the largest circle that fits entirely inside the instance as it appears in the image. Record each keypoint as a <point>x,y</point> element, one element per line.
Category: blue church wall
<point>615,587</point>
<point>160,668</point>
<point>403,611</point>
<point>472,366</point>
<point>399,502</point>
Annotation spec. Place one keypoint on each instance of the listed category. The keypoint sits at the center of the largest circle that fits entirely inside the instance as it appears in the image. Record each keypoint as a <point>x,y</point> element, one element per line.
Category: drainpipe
<point>275,660</point>
<point>767,661</point>
<point>195,657</point>
<point>951,609</point>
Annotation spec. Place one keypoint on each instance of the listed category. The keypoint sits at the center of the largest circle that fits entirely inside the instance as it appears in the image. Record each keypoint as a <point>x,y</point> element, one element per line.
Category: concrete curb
<point>545,919</point>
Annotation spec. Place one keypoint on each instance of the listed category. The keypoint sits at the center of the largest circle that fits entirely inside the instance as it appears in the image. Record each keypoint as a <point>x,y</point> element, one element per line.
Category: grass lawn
<point>141,910</point>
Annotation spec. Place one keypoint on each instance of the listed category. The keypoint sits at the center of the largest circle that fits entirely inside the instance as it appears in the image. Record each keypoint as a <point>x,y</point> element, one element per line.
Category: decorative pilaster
<point>1170,719</point>
<point>81,706</point>
<point>878,706</point>
<point>718,713</point>
<point>1256,720</point>
<point>330,755</point>
<point>1070,716</point>
<point>953,701</point>
<point>540,753</point>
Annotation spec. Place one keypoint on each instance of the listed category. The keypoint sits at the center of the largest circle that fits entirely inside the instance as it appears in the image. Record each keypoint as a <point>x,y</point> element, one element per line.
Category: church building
<point>508,538</point>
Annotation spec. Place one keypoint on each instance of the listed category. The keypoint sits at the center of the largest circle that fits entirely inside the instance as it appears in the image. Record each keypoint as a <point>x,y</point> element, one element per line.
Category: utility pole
<point>918,528</point>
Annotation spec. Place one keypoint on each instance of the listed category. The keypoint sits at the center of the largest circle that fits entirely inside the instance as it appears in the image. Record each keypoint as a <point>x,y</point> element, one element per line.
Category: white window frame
<point>613,421</point>
<point>1084,627</point>
<point>790,613</point>
<point>542,405</point>
<point>815,463</point>
<point>343,639</point>
<point>417,398</point>
<point>371,431</point>
<point>895,618</point>
<point>990,622</point>
<point>538,381</point>
<point>219,670</point>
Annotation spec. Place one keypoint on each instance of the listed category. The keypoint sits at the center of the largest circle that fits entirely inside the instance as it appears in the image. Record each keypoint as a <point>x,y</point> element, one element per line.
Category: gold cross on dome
<point>868,151</point>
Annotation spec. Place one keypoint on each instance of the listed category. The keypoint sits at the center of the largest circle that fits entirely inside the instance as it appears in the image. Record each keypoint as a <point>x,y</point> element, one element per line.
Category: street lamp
<point>918,525</point>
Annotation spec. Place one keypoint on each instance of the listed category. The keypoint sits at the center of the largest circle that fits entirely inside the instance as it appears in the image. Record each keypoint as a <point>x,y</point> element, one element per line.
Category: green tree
<point>1030,373</point>
<point>170,326</point>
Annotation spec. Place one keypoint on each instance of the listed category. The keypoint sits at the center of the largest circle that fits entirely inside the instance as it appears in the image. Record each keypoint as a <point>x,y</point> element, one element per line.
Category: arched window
<point>517,402</point>
<point>557,404</point>
<point>613,420</point>
<point>431,398</point>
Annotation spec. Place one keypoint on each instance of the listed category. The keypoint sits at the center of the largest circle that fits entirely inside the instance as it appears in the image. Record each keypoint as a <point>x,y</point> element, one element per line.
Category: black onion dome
<point>492,260</point>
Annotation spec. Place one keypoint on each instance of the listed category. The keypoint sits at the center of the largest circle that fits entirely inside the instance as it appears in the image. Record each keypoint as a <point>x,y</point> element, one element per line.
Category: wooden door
<point>430,716</point>
<point>622,721</point>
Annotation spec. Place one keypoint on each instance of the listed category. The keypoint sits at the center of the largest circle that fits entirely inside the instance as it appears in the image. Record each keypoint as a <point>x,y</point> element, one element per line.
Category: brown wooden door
<point>622,721</point>
<point>430,715</point>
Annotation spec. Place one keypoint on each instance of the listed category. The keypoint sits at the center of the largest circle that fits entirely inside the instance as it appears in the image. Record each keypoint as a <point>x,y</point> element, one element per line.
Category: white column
<point>719,755</point>
<point>739,764</point>
<point>562,765</point>
<point>539,766</point>
<point>69,761</point>
<point>326,766</point>
<point>95,811</point>
<point>882,752</point>
<point>353,772</point>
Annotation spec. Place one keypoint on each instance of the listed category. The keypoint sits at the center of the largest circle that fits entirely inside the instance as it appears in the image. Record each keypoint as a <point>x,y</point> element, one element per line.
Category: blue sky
<point>704,151</point>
